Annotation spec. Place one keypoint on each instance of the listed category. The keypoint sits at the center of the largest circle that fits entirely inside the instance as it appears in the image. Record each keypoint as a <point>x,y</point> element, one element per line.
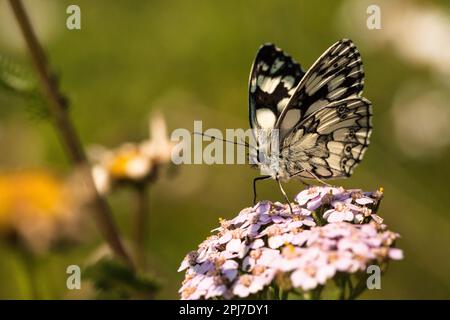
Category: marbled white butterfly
<point>322,122</point>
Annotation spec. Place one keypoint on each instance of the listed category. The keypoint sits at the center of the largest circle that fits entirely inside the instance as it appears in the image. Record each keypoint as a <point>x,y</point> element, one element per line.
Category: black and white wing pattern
<point>323,123</point>
<point>336,75</point>
<point>330,142</point>
<point>273,79</point>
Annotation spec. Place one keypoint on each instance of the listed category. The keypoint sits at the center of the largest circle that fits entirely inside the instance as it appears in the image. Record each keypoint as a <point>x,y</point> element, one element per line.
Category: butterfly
<point>308,125</point>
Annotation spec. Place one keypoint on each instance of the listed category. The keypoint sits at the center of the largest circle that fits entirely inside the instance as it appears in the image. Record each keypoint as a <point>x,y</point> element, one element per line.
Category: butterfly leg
<point>318,179</point>
<point>312,174</point>
<point>254,186</point>
<point>285,196</point>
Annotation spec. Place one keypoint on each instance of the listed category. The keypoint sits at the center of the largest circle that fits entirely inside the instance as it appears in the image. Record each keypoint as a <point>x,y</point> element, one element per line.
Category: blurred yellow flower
<point>132,162</point>
<point>37,207</point>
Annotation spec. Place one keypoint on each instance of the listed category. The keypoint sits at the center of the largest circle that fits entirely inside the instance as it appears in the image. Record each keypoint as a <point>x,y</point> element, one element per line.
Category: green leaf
<point>114,280</point>
<point>17,80</point>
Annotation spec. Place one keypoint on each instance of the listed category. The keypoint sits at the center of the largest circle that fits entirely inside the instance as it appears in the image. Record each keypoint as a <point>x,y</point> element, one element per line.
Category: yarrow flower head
<point>331,234</point>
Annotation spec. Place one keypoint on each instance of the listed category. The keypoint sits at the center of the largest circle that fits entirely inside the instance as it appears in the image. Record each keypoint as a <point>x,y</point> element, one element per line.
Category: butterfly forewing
<point>336,75</point>
<point>323,123</point>
<point>330,142</point>
<point>273,78</point>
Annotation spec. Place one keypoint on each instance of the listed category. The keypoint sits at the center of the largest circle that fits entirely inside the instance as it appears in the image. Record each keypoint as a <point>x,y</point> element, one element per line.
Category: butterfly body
<point>308,125</point>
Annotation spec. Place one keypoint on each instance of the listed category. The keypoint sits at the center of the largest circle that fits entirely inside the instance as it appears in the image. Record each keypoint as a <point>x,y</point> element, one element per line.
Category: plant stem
<point>30,268</point>
<point>66,130</point>
<point>317,218</point>
<point>359,288</point>
<point>341,283</point>
<point>140,224</point>
<point>307,295</point>
<point>350,286</point>
<point>276,292</point>
<point>317,292</point>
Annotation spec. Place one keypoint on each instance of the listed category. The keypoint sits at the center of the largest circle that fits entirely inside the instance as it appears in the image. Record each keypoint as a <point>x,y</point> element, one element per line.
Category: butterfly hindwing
<point>273,78</point>
<point>331,142</point>
<point>336,75</point>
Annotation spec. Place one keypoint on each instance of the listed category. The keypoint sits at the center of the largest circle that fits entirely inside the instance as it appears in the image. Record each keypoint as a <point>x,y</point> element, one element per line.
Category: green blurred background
<point>191,60</point>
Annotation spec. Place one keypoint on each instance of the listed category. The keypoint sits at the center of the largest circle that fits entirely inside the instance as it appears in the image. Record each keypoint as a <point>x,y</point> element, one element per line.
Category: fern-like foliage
<point>113,280</point>
<point>17,80</point>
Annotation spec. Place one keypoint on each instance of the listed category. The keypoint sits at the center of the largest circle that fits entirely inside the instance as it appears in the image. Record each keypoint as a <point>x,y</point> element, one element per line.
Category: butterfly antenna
<point>245,144</point>
<point>248,145</point>
<point>285,195</point>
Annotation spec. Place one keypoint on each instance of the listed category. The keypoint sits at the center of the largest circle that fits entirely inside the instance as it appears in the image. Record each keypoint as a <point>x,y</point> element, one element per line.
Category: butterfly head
<point>266,159</point>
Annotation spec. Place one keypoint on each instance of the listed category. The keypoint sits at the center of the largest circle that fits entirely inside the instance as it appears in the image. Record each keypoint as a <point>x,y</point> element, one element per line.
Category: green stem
<point>140,225</point>
<point>317,218</point>
<point>341,282</point>
<point>67,132</point>
<point>359,288</point>
<point>276,292</point>
<point>350,286</point>
<point>342,288</point>
<point>29,263</point>
<point>318,292</point>
<point>308,295</point>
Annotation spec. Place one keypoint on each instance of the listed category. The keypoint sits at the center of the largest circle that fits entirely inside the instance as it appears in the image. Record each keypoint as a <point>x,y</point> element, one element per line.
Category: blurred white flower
<point>158,147</point>
<point>418,33</point>
<point>101,178</point>
<point>132,162</point>
<point>421,121</point>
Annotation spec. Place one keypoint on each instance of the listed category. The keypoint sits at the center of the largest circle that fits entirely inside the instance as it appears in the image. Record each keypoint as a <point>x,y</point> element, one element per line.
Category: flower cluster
<point>132,162</point>
<point>330,232</point>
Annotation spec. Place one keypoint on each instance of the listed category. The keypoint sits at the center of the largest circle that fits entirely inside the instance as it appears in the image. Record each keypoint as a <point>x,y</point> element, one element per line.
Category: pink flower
<point>314,197</point>
<point>364,200</point>
<point>249,284</point>
<point>340,213</point>
<point>304,280</point>
<point>308,194</point>
<point>234,245</point>
<point>395,254</point>
<point>246,252</point>
<point>230,269</point>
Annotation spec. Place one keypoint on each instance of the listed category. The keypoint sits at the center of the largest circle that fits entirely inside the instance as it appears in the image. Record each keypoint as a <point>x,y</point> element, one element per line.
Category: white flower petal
<point>234,245</point>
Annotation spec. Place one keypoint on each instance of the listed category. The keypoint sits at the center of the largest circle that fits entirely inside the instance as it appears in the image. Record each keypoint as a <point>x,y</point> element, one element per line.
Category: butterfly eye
<point>260,156</point>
